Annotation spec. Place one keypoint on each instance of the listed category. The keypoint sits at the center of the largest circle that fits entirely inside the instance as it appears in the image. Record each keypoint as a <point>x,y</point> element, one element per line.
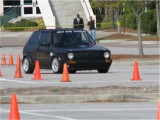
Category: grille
<point>88,55</point>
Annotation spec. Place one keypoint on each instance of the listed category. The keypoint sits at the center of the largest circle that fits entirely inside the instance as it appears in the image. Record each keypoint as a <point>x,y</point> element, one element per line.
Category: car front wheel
<point>102,70</point>
<point>56,66</point>
<point>27,66</point>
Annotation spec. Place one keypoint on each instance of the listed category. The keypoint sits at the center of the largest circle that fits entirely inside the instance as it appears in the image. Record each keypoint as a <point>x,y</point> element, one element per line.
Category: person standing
<point>91,24</point>
<point>78,22</point>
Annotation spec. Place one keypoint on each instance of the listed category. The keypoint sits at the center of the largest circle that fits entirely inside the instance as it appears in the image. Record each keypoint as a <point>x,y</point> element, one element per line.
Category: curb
<point>127,41</point>
<point>82,98</point>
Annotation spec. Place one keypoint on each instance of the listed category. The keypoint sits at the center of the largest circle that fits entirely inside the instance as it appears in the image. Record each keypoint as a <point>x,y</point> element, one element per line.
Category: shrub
<point>8,25</point>
<point>15,29</point>
<point>105,25</point>
<point>26,23</point>
<point>149,21</point>
<point>129,20</point>
<point>21,25</point>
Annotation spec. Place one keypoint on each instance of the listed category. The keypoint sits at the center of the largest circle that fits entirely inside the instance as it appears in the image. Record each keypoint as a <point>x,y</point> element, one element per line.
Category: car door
<point>32,46</point>
<point>44,49</point>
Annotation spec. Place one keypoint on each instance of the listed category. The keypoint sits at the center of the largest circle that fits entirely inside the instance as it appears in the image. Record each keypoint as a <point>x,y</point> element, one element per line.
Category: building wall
<point>1,7</point>
<point>28,8</point>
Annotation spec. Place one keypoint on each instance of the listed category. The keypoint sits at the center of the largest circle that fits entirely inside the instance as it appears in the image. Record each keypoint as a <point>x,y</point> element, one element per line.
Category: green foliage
<point>149,21</point>
<point>25,23</point>
<point>54,90</point>
<point>8,25</point>
<point>129,20</point>
<point>104,26</point>
<point>21,25</point>
<point>15,29</point>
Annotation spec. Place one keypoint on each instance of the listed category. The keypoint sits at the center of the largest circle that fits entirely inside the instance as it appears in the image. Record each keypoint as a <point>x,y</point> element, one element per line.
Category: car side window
<point>45,39</point>
<point>57,38</point>
<point>34,39</point>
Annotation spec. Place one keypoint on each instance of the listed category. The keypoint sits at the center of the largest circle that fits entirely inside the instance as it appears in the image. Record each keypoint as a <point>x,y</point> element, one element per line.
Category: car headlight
<point>70,56</point>
<point>106,54</point>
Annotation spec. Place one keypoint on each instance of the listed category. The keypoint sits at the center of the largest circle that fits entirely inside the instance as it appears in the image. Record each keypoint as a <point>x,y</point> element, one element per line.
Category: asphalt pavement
<point>120,74</point>
<point>85,111</point>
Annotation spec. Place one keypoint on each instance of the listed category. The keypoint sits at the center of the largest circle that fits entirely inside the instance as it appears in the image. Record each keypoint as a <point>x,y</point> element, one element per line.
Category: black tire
<point>72,71</point>
<point>56,65</point>
<point>102,70</point>
<point>27,66</point>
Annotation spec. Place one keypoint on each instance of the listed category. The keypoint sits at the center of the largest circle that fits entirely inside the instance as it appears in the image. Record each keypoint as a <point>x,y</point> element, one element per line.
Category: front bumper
<point>89,64</point>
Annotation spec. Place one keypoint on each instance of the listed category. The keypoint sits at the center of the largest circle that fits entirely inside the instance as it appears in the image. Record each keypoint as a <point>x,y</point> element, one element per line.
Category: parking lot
<point>120,74</point>
<point>85,111</point>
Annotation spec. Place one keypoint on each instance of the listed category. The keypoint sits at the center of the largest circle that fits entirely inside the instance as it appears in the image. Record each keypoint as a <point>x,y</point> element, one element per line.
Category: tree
<point>138,8</point>
<point>158,17</point>
<point>108,11</point>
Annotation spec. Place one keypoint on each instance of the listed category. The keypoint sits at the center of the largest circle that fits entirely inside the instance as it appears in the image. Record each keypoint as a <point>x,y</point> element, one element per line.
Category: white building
<point>28,8</point>
<point>55,13</point>
<point>1,7</point>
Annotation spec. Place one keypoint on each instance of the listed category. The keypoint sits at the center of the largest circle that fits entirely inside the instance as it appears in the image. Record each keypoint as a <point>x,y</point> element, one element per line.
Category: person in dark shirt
<point>91,24</point>
<point>78,22</point>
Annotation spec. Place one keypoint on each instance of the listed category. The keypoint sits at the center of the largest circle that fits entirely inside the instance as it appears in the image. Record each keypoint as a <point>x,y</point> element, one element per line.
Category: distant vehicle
<point>55,47</point>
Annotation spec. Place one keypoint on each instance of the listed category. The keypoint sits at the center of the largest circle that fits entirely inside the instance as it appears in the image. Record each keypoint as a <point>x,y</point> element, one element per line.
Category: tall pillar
<point>1,7</point>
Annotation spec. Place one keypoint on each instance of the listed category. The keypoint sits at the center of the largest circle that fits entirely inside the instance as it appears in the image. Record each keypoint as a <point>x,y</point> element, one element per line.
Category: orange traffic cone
<point>10,59</point>
<point>37,74</point>
<point>65,76</point>
<point>158,112</point>
<point>3,60</point>
<point>18,73</point>
<point>0,73</point>
<point>14,112</point>
<point>19,60</point>
<point>136,75</point>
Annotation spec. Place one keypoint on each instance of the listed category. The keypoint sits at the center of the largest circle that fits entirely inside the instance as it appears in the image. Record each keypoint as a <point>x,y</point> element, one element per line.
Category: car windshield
<point>76,38</point>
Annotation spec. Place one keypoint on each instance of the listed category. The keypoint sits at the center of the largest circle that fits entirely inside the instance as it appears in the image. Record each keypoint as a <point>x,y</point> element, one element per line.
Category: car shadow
<point>79,72</point>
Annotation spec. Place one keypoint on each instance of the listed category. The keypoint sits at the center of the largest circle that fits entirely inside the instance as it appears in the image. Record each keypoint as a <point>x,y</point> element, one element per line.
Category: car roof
<point>58,29</point>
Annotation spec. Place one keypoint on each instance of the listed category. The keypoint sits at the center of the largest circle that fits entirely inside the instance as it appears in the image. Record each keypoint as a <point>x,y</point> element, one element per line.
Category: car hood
<point>79,49</point>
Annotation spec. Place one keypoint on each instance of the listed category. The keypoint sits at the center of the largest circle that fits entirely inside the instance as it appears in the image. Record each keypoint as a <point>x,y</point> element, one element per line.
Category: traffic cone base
<point>18,73</point>
<point>37,78</point>
<point>65,76</point>
<point>14,112</point>
<point>37,74</point>
<point>136,76</point>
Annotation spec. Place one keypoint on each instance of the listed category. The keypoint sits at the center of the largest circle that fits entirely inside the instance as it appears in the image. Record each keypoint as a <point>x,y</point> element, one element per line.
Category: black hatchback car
<point>55,47</point>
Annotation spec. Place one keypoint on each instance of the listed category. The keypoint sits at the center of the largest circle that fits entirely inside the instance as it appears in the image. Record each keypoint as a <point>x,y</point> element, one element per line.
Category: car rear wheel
<point>27,66</point>
<point>56,66</point>
<point>102,70</point>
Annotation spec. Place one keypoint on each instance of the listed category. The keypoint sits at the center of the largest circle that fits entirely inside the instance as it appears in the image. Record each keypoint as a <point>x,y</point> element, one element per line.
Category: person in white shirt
<point>78,22</point>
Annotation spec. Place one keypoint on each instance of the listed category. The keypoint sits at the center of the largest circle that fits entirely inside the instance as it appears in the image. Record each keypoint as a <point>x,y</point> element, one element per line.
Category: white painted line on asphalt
<point>114,109</point>
<point>43,115</point>
<point>4,111</point>
<point>51,116</point>
<point>42,82</point>
<point>67,110</point>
